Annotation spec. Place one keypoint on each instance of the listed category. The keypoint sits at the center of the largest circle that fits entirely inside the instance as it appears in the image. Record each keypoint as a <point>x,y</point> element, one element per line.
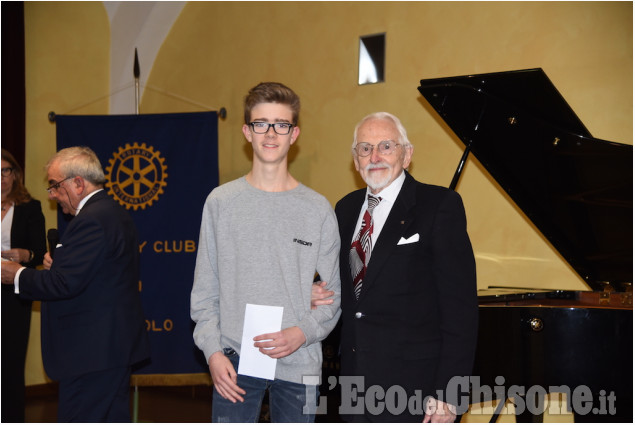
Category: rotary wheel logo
<point>136,176</point>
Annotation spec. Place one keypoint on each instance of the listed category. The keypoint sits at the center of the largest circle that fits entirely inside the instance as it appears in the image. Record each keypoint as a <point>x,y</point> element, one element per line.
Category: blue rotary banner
<point>161,167</point>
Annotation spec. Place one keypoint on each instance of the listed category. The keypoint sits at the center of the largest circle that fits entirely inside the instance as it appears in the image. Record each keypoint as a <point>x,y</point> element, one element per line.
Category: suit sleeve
<point>74,267</point>
<point>455,274</point>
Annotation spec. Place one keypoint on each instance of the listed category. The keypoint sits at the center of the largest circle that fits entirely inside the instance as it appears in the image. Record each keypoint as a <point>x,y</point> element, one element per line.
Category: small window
<point>372,57</point>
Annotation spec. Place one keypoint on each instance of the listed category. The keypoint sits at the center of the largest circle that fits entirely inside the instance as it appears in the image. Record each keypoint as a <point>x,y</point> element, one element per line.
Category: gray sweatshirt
<point>264,248</point>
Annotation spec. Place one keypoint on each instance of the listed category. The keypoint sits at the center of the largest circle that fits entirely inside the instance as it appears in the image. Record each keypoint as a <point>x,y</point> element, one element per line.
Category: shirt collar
<point>86,198</point>
<point>390,192</point>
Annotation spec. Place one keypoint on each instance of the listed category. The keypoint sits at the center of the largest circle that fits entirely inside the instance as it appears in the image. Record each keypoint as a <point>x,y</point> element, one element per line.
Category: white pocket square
<point>412,239</point>
<point>59,245</point>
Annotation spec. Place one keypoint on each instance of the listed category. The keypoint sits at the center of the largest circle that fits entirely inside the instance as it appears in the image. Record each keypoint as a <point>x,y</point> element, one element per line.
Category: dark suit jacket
<point>92,317</point>
<point>415,322</point>
<point>27,232</point>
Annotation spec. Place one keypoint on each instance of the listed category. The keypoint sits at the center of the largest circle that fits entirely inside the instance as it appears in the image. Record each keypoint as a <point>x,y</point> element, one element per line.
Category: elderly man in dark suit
<point>93,328</point>
<point>409,307</point>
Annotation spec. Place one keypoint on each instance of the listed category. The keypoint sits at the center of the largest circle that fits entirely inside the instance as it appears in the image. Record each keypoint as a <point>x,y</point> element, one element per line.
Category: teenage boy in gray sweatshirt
<point>263,238</point>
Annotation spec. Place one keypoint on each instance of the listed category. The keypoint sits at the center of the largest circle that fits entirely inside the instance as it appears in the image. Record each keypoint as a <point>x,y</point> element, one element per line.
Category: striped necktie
<point>361,247</point>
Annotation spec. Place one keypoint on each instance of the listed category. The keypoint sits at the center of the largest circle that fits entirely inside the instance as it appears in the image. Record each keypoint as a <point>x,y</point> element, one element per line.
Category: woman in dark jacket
<point>23,241</point>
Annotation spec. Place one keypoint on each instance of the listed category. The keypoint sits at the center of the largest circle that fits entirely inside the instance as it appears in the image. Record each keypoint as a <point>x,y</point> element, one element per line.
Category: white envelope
<point>412,239</point>
<point>259,319</point>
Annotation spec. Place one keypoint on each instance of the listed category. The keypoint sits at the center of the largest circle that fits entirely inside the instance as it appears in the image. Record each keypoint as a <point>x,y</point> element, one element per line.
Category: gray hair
<point>386,116</point>
<point>79,161</point>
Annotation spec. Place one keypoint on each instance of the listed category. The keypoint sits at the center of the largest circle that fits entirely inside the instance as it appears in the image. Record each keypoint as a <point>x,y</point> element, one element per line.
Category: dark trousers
<point>102,396</point>
<point>287,400</point>
<point>16,321</point>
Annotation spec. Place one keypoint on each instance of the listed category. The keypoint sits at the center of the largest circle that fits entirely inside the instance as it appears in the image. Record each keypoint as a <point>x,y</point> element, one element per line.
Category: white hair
<point>386,116</point>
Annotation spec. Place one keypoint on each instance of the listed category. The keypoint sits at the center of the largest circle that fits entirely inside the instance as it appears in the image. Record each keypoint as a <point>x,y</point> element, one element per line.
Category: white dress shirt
<point>7,222</point>
<point>388,196</point>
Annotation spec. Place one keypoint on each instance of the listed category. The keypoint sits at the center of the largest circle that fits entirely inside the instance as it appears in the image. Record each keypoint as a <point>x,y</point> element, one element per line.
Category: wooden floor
<point>155,404</point>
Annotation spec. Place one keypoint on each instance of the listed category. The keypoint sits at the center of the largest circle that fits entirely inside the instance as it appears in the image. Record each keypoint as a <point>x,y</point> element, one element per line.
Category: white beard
<point>377,183</point>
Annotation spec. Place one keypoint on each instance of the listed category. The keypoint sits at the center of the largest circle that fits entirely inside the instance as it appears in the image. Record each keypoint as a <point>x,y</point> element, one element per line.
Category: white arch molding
<point>143,25</point>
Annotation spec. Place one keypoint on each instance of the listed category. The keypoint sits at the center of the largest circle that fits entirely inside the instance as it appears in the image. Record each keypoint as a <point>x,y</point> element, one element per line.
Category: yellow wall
<point>216,51</point>
<point>67,66</point>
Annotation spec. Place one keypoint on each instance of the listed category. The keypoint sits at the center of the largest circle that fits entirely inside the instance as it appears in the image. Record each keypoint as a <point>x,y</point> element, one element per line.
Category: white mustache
<point>376,165</point>
<point>373,181</point>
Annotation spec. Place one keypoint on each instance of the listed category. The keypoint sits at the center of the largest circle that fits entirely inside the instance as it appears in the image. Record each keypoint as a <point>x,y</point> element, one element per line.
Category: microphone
<point>53,238</point>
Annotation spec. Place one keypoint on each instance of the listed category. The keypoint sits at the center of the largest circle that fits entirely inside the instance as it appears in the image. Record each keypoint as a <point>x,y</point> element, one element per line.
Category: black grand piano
<point>578,191</point>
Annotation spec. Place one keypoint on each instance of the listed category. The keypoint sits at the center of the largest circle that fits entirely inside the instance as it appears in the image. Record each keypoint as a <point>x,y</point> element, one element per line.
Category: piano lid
<point>577,190</point>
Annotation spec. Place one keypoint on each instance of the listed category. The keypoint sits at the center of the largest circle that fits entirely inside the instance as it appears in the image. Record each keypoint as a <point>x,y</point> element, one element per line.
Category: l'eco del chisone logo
<point>136,176</point>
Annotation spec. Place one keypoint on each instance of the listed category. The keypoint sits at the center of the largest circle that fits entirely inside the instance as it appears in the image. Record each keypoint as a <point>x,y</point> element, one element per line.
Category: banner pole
<point>136,71</point>
<point>135,405</point>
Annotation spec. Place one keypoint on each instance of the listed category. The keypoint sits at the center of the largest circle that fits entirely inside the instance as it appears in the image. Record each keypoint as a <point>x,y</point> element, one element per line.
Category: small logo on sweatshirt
<point>301,242</point>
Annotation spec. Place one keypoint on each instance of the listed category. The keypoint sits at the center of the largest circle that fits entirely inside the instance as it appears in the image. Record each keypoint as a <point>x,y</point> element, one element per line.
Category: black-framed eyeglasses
<point>7,171</point>
<point>282,128</point>
<point>385,147</point>
<point>56,186</point>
